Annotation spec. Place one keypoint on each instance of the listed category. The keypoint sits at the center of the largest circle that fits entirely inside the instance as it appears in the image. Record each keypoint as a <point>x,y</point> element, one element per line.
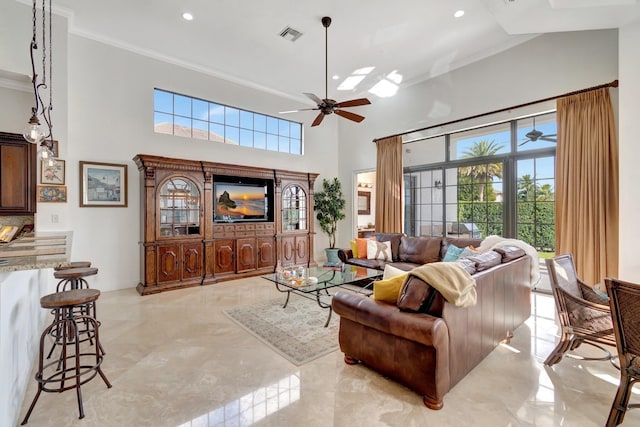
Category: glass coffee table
<point>357,279</point>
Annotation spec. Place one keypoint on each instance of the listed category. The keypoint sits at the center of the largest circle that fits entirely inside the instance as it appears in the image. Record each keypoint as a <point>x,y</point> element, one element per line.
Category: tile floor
<point>175,359</point>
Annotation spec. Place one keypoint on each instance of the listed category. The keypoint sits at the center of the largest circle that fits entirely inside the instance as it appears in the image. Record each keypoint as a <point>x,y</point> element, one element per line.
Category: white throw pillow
<point>379,250</point>
<point>391,272</point>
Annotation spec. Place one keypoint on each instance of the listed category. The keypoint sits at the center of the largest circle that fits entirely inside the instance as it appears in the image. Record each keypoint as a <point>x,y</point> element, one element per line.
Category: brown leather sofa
<point>430,345</point>
<point>408,252</point>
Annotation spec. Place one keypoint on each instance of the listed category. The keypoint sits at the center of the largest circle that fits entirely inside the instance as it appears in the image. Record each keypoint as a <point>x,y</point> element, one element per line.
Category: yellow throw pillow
<point>354,248</point>
<point>388,290</point>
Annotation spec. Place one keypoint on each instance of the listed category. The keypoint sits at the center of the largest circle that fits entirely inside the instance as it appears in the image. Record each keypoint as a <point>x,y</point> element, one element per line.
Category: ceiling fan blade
<point>524,142</point>
<point>547,138</point>
<point>314,98</point>
<point>353,103</point>
<point>351,116</point>
<point>296,111</point>
<point>318,119</point>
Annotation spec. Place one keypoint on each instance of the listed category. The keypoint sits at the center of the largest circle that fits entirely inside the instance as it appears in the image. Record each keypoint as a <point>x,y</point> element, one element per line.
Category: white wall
<point>546,66</point>
<point>629,130</point>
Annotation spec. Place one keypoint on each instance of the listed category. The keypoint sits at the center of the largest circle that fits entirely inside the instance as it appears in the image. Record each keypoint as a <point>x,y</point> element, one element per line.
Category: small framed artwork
<point>364,203</point>
<point>103,185</point>
<point>54,148</point>
<point>52,172</point>
<point>52,193</point>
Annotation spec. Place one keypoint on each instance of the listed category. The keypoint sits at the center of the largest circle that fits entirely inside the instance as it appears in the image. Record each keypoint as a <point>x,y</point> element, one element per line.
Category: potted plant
<point>329,206</point>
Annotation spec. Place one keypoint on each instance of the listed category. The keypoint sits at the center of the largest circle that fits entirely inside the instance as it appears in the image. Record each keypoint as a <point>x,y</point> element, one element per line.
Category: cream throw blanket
<point>454,283</point>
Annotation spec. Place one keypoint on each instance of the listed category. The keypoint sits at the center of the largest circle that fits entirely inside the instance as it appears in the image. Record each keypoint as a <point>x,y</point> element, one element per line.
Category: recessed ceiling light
<point>187,16</point>
<point>335,77</point>
<point>458,13</point>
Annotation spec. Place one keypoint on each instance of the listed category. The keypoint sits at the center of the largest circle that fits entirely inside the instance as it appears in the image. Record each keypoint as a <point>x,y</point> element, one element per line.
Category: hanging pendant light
<point>34,132</point>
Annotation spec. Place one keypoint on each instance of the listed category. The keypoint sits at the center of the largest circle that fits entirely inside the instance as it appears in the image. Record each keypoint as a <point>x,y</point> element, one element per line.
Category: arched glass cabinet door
<point>294,208</point>
<point>179,208</point>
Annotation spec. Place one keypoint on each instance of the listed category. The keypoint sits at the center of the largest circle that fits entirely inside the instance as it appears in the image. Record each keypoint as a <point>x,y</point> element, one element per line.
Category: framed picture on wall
<point>364,203</point>
<point>52,172</point>
<point>52,194</point>
<point>103,185</point>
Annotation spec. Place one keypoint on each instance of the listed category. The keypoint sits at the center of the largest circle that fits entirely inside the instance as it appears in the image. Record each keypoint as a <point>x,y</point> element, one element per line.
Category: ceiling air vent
<point>290,34</point>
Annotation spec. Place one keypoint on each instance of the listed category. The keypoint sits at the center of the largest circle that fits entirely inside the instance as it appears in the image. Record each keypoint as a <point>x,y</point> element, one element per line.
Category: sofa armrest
<point>418,327</point>
<point>345,254</point>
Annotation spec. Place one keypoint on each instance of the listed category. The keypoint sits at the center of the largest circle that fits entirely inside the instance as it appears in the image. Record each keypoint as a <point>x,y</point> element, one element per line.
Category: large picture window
<point>497,179</point>
<point>181,115</point>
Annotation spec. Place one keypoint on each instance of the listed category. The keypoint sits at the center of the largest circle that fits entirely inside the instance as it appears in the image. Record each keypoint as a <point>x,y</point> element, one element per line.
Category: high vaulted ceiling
<point>239,39</point>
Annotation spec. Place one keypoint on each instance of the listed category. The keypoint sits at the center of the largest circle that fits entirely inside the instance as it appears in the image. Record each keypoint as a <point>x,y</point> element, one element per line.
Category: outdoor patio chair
<point>625,310</point>
<point>585,316</point>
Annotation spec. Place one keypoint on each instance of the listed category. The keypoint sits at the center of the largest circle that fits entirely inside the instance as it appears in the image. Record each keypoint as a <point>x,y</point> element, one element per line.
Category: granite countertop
<point>42,250</point>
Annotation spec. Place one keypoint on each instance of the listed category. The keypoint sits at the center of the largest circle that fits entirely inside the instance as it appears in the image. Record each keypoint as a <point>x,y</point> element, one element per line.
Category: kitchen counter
<point>26,274</point>
<point>43,250</point>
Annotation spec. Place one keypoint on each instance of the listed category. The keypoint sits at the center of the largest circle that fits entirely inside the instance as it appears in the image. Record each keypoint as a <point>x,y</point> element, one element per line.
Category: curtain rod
<point>611,84</point>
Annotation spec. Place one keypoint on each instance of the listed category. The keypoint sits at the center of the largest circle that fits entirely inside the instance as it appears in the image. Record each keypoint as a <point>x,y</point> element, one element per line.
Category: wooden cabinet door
<point>191,260</point>
<point>288,252</point>
<point>246,254</point>
<point>224,255</point>
<point>266,252</point>
<point>302,249</point>
<point>168,270</point>
<point>17,175</point>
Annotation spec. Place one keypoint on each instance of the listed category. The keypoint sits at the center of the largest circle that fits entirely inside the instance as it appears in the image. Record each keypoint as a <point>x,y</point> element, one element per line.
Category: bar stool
<point>74,278</point>
<point>73,264</point>
<point>75,366</point>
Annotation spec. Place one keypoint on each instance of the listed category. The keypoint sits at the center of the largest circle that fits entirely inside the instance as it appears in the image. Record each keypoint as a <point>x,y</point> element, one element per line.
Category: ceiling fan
<point>328,106</point>
<point>533,135</point>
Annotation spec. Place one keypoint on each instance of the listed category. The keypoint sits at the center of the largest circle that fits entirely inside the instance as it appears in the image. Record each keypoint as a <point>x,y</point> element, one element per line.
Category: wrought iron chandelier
<point>34,132</point>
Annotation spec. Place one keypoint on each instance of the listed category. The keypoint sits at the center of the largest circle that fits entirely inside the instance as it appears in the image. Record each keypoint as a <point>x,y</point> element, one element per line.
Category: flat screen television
<point>242,201</point>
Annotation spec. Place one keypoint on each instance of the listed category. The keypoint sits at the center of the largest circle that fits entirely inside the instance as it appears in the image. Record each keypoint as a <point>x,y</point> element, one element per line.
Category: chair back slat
<point>625,311</point>
<point>562,274</point>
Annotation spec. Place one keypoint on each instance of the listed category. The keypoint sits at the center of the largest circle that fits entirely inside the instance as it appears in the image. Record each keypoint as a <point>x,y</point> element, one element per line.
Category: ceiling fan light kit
<point>328,106</point>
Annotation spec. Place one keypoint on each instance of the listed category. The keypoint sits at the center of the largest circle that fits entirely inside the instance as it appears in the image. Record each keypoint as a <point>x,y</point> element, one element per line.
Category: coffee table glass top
<point>327,278</point>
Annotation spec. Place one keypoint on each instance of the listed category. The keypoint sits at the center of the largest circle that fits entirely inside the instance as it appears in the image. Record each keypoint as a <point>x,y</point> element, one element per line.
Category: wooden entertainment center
<point>197,231</point>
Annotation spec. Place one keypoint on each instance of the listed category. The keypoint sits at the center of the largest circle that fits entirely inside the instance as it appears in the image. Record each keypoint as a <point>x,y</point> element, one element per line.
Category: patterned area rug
<point>295,332</point>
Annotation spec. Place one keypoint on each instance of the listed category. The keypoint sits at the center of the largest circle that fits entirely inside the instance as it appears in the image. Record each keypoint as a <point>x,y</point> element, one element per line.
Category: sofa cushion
<point>391,271</point>
<point>394,238</point>
<point>379,250</point>
<point>389,289</point>
<point>419,250</point>
<point>461,242</point>
<point>354,248</point>
<point>509,252</point>
<point>406,266</point>
<point>467,264</point>
<point>361,245</point>
<point>486,260</point>
<point>415,296</point>
<point>453,253</point>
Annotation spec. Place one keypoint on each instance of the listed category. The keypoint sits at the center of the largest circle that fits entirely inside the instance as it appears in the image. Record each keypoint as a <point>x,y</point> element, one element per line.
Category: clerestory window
<point>182,115</point>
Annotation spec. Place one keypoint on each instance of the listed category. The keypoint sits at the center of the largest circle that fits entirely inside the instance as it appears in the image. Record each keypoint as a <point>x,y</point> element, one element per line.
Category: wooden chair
<point>585,316</point>
<point>625,310</point>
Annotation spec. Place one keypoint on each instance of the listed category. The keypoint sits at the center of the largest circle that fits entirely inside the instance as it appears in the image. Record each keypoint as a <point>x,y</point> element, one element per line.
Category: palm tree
<point>482,174</point>
<point>544,193</point>
<point>526,188</point>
